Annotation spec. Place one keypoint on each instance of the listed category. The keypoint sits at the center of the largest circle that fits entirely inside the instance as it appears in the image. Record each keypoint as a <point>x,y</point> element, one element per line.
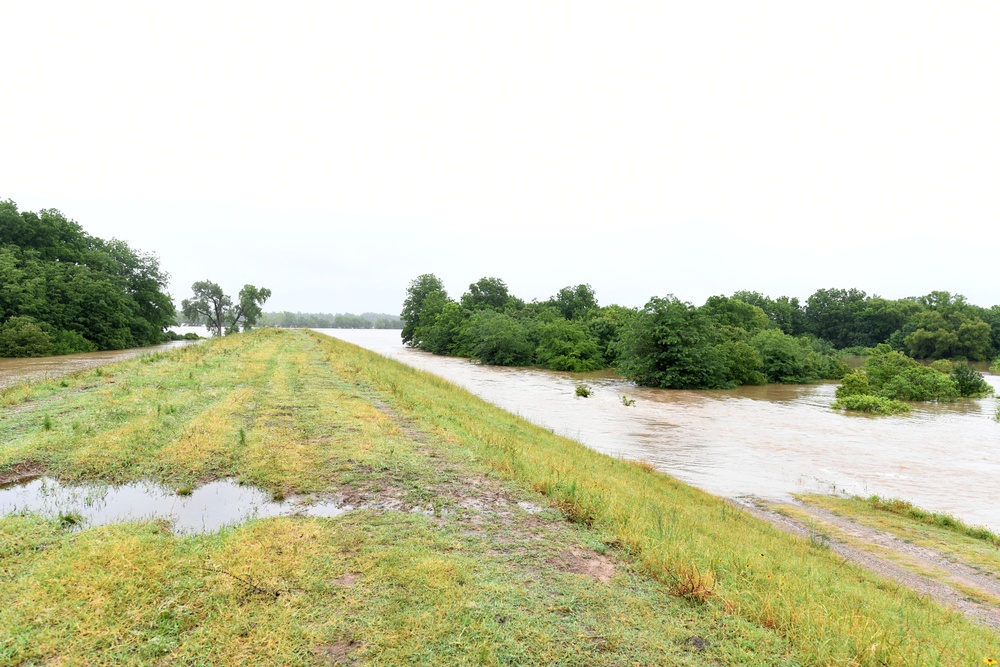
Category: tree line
<point>63,290</point>
<point>289,320</point>
<point>746,338</point>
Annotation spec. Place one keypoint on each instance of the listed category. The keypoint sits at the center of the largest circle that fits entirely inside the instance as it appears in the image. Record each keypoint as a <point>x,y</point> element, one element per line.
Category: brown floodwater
<point>768,441</point>
<point>13,371</point>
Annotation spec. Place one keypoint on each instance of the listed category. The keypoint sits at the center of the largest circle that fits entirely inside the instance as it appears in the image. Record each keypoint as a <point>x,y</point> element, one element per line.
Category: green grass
<point>470,578</point>
<point>973,545</point>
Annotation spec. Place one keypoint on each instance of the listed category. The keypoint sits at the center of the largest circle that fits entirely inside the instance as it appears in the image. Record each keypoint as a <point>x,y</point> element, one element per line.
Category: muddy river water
<point>768,441</point>
<point>18,370</point>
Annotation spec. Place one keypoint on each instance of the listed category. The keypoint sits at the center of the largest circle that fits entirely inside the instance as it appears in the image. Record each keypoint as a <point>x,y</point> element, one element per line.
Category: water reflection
<point>767,441</point>
<point>207,508</point>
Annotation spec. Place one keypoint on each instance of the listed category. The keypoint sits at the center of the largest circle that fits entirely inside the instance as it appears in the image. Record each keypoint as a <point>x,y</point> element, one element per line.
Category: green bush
<point>943,366</point>
<point>785,358</point>
<point>497,339</point>
<point>672,345</point>
<point>892,375</point>
<point>22,337</point>
<point>873,404</point>
<point>854,384</point>
<point>744,362</point>
<point>567,346</point>
<point>971,383</point>
<point>886,364</point>
<point>920,384</point>
<point>70,342</point>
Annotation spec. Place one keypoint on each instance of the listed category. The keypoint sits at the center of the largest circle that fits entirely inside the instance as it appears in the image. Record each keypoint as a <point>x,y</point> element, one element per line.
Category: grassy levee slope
<point>440,565</point>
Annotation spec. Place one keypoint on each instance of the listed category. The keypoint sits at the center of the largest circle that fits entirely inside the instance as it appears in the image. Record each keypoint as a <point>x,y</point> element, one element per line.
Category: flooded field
<point>766,441</point>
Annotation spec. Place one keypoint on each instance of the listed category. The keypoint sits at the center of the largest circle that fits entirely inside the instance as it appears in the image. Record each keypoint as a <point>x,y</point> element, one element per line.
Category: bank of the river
<point>469,536</point>
<point>768,442</point>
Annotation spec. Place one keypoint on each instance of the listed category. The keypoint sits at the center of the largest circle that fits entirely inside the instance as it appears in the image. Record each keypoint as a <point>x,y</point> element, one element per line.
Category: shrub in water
<point>971,383</point>
<point>854,384</point>
<point>877,405</point>
<point>920,383</point>
<point>583,390</point>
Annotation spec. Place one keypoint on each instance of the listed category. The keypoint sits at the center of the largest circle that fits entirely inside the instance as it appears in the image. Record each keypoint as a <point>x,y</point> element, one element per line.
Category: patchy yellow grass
<point>454,586</point>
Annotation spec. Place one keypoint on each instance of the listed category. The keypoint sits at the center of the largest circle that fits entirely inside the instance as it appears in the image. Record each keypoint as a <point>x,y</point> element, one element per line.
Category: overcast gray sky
<point>334,151</point>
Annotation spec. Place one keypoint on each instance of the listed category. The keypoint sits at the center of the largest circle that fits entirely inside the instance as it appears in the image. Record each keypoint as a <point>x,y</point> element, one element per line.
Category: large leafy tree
<point>212,307</point>
<point>498,339</point>
<point>836,315</point>
<point>673,345</point>
<point>423,291</point>
<point>785,312</point>
<point>84,292</point>
<point>575,302</point>
<point>487,293</point>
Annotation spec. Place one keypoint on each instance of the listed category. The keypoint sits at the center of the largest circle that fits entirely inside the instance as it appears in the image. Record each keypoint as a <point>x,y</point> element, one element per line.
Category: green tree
<point>605,326</point>
<point>415,312</point>
<point>212,307</point>
<point>487,293</point>
<point>743,363</point>
<point>733,312</point>
<point>784,358</point>
<point>441,336</point>
<point>836,315</point>
<point>671,344</point>
<point>83,291</point>
<point>784,312</point>
<point>497,339</point>
<point>574,302</point>
<point>566,345</point>
<point>434,305</point>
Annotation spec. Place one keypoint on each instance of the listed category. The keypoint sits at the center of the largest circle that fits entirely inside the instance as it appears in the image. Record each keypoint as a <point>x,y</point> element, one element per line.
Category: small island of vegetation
<point>889,377</point>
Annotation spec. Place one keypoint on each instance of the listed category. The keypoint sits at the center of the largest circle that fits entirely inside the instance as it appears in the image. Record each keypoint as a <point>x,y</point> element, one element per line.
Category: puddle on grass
<point>208,507</point>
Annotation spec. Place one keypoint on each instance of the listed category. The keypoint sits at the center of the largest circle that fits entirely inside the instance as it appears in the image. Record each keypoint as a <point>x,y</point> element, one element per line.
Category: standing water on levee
<point>767,441</point>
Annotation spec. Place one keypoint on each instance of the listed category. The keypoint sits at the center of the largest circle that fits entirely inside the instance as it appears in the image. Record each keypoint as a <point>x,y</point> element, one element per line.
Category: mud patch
<point>589,564</point>
<point>338,653</point>
<point>347,581</point>
<point>20,474</point>
<point>696,643</point>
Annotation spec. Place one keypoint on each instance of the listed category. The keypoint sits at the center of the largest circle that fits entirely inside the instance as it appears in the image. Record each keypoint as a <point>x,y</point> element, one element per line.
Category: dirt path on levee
<point>892,558</point>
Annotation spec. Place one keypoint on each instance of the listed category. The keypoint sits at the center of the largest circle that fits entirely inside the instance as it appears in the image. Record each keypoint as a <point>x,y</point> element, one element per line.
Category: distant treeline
<point>289,320</point>
<point>63,290</point>
<point>746,338</point>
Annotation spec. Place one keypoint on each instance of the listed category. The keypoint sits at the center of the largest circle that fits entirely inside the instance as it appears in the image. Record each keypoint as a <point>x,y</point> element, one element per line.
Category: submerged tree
<point>216,310</point>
